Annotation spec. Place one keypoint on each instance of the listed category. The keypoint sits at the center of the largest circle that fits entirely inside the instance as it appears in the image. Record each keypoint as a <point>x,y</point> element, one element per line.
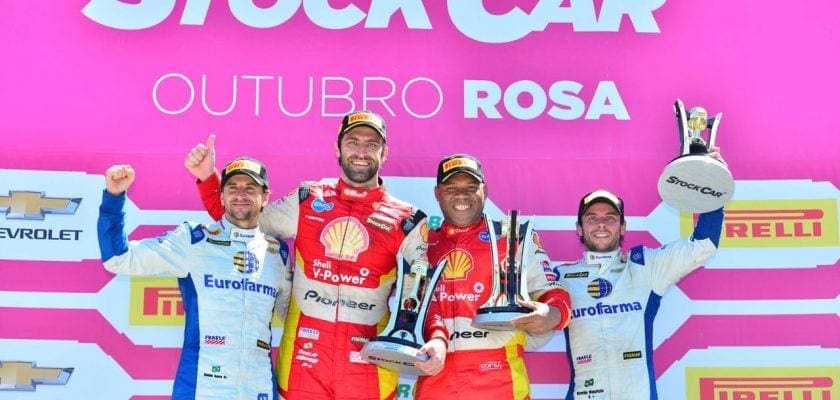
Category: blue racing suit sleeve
<point>110,227</point>
<point>709,225</point>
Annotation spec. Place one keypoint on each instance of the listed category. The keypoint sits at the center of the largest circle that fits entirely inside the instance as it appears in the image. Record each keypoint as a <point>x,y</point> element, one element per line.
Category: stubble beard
<point>359,175</point>
<point>601,247</point>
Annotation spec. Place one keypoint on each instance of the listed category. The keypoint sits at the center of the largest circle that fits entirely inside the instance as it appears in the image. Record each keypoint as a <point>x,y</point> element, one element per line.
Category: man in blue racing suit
<point>232,277</point>
<point>616,296</point>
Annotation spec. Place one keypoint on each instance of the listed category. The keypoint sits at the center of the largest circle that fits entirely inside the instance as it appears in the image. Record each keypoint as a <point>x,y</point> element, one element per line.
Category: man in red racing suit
<point>347,239</point>
<point>486,364</point>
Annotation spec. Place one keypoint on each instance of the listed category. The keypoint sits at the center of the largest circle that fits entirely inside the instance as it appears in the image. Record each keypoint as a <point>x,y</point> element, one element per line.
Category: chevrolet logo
<point>23,376</point>
<point>33,205</point>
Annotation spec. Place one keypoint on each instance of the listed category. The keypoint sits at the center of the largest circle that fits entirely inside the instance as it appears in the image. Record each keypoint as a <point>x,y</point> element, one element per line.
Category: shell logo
<point>424,232</point>
<point>459,263</point>
<point>344,239</point>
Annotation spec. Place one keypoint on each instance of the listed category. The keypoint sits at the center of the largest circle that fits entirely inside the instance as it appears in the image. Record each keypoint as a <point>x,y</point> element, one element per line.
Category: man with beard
<point>232,279</point>
<point>348,236</point>
<point>486,364</point>
<point>616,296</point>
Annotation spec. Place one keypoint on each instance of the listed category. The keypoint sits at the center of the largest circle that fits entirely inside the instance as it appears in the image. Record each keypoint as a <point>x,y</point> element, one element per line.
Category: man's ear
<point>266,196</point>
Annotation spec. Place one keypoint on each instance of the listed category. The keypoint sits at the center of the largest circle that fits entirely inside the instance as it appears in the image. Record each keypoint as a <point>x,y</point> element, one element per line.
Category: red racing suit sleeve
<point>209,191</point>
<point>560,299</point>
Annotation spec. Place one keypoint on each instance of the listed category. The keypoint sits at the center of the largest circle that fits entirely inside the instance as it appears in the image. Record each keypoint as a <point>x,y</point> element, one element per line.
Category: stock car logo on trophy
<point>396,346</point>
<point>509,275</point>
<point>695,182</point>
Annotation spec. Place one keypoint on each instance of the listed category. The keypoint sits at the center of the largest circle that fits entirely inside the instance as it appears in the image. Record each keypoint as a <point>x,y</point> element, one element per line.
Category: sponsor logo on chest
<point>324,271</point>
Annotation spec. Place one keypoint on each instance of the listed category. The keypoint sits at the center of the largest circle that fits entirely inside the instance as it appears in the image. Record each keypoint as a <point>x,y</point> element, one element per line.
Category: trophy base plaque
<point>498,318</point>
<point>696,183</point>
<point>394,354</point>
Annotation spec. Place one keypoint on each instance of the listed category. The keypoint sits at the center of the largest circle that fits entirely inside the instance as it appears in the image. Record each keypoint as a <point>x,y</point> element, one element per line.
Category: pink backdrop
<point>81,91</point>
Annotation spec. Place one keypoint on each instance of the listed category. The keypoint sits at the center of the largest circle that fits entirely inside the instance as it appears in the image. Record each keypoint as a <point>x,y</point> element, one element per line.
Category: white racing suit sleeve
<point>279,218</point>
<point>163,256</point>
<point>669,263</point>
<point>541,279</point>
<point>284,293</point>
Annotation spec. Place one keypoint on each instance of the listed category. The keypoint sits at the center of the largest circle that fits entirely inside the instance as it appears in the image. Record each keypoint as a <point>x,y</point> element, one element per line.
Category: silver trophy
<point>509,277</point>
<point>396,346</point>
<point>694,182</point>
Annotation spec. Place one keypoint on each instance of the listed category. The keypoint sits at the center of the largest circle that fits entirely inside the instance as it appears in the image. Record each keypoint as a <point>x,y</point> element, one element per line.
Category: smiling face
<point>243,199</point>
<point>461,199</point>
<point>601,228</point>
<point>361,152</point>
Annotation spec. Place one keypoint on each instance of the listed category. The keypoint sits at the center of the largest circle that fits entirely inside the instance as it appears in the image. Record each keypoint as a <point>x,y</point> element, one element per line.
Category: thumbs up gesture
<point>201,159</point>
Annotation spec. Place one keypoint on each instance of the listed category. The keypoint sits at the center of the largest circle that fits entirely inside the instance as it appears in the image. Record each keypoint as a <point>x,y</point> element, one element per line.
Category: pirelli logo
<point>155,302</point>
<point>776,223</point>
<point>782,383</point>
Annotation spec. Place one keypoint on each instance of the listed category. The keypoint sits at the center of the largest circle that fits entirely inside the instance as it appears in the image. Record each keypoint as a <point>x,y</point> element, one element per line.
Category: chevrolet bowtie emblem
<point>23,376</point>
<point>33,205</point>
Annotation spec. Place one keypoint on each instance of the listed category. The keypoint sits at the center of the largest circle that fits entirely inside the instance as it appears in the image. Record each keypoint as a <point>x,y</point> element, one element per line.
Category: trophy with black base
<point>396,346</point>
<point>509,277</point>
<point>694,181</point>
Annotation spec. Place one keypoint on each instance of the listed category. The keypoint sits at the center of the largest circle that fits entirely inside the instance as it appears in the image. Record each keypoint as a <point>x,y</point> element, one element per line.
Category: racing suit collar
<point>349,193</point>
<point>603,260</point>
<point>238,234</point>
<point>450,230</point>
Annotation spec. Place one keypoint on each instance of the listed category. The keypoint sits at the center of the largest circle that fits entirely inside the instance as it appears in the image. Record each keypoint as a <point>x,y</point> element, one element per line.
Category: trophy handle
<point>713,124</point>
<point>397,324</point>
<point>432,278</point>
<point>425,280</point>
<point>682,124</point>
<point>494,257</point>
<point>514,245</point>
<point>525,253</point>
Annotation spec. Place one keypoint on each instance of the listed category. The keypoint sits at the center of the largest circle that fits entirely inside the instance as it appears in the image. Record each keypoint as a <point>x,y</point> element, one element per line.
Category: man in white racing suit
<point>232,277</point>
<point>616,296</point>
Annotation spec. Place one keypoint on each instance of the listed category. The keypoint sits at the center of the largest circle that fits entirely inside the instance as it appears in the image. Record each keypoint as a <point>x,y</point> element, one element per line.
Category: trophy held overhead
<point>695,182</point>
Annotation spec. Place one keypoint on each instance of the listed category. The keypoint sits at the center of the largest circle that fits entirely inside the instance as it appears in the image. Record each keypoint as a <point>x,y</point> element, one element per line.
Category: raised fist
<point>118,178</point>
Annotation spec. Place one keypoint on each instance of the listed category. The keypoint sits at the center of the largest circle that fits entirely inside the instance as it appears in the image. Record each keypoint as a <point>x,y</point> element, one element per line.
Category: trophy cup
<point>509,278</point>
<point>694,182</point>
<point>396,346</point>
